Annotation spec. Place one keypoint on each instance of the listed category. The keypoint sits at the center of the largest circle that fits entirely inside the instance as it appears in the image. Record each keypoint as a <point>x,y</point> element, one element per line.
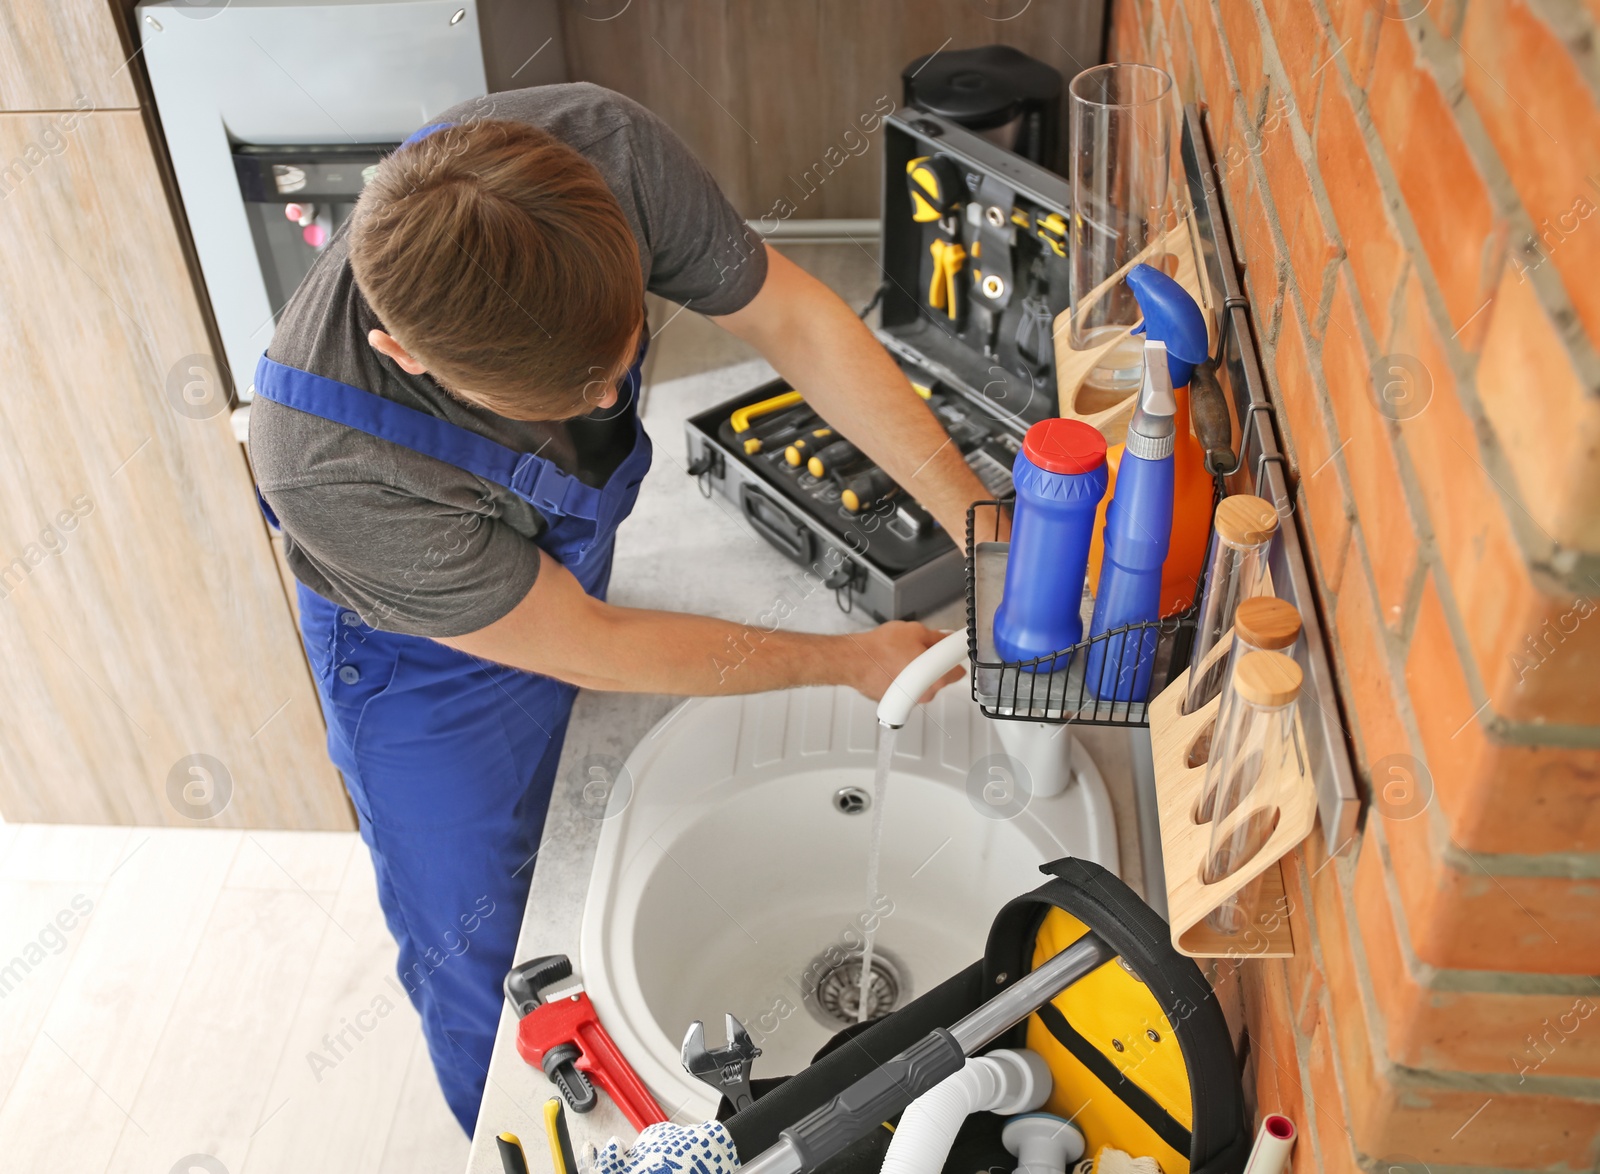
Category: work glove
<point>667,1148</point>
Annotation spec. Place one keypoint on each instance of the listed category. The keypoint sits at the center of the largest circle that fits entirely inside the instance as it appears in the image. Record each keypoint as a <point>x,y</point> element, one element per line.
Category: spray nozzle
<point>1152,430</point>
<point>1170,316</point>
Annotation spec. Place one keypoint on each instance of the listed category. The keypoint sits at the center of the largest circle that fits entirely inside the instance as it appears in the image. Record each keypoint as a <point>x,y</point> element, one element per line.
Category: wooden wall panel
<point>142,618</point>
<point>61,55</point>
<point>761,90</point>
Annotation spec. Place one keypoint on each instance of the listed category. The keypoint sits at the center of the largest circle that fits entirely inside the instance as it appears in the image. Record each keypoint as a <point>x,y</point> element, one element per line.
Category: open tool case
<point>975,340</point>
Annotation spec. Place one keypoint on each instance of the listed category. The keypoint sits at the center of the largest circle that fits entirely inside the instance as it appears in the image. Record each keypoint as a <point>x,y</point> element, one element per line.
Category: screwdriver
<point>866,489</point>
<point>782,433</point>
<point>830,458</point>
<point>797,452</point>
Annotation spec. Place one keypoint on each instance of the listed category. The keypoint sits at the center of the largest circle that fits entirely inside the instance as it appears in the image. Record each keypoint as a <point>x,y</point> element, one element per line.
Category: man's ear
<point>384,344</point>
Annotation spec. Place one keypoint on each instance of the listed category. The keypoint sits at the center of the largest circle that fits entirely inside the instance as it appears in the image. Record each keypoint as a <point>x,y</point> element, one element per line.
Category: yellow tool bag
<point>1138,1048</point>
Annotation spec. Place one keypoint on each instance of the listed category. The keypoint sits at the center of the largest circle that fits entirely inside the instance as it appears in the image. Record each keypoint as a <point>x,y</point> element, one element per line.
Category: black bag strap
<point>1218,1142</point>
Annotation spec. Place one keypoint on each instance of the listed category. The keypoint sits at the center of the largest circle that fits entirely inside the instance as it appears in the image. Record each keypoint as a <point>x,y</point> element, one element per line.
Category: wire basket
<point>1097,682</point>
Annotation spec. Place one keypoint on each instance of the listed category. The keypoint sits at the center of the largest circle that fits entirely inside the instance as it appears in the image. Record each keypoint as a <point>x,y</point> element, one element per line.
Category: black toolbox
<point>987,372</point>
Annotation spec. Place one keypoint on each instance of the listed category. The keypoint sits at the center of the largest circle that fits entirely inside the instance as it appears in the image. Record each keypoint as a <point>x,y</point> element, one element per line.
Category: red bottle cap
<point>1065,446</point>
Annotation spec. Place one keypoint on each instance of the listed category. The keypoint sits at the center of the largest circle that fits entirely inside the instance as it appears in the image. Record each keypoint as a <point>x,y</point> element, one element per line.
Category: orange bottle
<point>1191,515</point>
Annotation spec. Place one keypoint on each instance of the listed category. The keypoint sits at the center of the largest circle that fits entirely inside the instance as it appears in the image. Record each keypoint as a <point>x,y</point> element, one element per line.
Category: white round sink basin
<point>731,874</point>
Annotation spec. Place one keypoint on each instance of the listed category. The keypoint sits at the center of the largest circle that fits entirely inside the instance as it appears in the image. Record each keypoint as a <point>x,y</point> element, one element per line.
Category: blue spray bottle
<point>1138,533</point>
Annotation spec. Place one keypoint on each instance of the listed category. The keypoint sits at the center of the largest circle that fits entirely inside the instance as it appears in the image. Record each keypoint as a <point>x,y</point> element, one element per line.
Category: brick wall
<point>1412,189</point>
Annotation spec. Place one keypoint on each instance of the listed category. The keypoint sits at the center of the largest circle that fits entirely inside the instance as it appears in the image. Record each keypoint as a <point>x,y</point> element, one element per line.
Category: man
<point>446,429</point>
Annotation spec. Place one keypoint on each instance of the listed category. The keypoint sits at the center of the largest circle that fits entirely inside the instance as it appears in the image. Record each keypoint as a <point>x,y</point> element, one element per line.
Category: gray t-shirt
<point>413,544</point>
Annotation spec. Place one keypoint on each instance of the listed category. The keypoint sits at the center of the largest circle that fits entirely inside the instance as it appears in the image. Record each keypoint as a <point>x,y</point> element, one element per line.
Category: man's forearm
<point>819,345</point>
<point>559,631</point>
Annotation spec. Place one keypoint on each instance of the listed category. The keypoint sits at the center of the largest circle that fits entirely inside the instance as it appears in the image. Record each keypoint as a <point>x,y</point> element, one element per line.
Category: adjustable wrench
<point>726,1069</point>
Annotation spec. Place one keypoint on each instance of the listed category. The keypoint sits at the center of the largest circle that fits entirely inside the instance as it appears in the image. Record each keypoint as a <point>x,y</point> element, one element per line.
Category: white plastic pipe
<point>1042,1142</point>
<point>918,677</point>
<point>1004,1081</point>
<point>1044,750</point>
<point>1273,1143</point>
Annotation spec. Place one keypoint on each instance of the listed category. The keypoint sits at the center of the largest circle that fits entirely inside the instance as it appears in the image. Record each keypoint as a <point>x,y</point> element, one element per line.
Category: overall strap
<point>532,478</point>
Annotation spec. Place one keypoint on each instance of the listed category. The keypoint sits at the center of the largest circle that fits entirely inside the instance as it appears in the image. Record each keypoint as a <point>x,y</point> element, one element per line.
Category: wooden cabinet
<point>62,55</point>
<point>142,618</point>
<point>772,96</point>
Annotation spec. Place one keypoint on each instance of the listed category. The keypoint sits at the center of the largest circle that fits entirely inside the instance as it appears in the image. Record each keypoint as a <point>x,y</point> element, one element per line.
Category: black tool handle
<point>831,457</point>
<point>876,1097</point>
<point>1213,427</point>
<point>560,1065</point>
<point>865,489</point>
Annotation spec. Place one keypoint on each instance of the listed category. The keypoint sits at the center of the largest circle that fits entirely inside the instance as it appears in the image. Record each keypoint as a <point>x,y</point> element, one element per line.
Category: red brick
<point>1368,672</point>
<point>1546,420</point>
<point>1321,490</point>
<point>1272,1038</point>
<point>1329,1118</point>
<point>1465,1030</point>
<point>1397,1110</point>
<point>1184,75</point>
<point>1232,167</point>
<point>1263,275</point>
<point>1241,32</point>
<point>1544,119</point>
<point>1497,797</point>
<point>1355,27</point>
<point>1370,239</point>
<point>1532,649</point>
<point>1215,84</point>
<point>1387,531</point>
<point>1311,248</point>
<point>1446,195</point>
<point>1463,917</point>
<point>1302,48</point>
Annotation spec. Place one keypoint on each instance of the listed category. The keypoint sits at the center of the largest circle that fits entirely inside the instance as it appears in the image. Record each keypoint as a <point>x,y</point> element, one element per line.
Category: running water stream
<point>880,791</point>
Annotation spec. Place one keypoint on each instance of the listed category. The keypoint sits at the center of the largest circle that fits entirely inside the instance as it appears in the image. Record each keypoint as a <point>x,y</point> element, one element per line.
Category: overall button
<point>349,674</point>
<point>350,618</point>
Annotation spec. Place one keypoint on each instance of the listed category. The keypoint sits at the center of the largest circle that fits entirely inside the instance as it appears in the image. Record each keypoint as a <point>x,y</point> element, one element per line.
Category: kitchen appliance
<point>274,113</point>
<point>996,91</point>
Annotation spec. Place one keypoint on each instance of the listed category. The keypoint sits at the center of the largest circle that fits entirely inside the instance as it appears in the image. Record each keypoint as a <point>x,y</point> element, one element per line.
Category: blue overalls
<point>450,759</point>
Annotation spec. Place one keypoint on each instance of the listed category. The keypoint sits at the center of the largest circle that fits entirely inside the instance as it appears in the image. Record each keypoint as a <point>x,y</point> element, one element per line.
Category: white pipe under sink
<point>1004,1082</point>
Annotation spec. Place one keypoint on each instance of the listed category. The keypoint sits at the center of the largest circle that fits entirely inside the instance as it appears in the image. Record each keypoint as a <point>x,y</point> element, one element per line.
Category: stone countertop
<point>678,551</point>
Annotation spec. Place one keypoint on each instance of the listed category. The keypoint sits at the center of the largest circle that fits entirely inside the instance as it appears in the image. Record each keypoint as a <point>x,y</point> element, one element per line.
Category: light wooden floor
<point>176,1016</point>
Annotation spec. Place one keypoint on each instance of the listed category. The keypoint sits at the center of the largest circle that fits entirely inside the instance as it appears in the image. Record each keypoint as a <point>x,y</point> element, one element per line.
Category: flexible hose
<point>1004,1081</point>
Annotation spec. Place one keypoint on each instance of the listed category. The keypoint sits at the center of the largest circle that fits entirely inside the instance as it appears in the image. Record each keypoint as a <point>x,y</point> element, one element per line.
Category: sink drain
<point>835,1000</point>
<point>851,800</point>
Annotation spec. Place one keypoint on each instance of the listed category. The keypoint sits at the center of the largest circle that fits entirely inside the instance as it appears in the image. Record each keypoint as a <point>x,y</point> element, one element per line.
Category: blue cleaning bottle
<point>1138,533</point>
<point>1060,477</point>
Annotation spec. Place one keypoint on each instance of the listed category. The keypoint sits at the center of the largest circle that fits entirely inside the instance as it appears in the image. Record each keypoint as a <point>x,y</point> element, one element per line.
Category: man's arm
<point>827,354</point>
<point>560,631</point>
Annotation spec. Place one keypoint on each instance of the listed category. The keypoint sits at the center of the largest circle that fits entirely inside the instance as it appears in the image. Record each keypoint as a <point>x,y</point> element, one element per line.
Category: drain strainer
<point>851,800</point>
<point>835,999</point>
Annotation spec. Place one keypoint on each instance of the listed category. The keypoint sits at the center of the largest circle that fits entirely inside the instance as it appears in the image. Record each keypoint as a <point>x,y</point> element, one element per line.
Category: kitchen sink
<point>731,871</point>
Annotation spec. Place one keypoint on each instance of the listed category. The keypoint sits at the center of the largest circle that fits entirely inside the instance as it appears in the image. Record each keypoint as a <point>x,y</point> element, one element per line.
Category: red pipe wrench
<point>565,1041</point>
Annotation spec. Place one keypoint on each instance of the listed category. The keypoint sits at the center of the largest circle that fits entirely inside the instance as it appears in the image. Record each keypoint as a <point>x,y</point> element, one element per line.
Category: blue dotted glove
<point>667,1148</point>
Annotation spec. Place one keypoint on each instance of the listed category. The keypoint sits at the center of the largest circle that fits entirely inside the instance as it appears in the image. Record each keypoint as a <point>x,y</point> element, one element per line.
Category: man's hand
<point>828,355</point>
<point>887,649</point>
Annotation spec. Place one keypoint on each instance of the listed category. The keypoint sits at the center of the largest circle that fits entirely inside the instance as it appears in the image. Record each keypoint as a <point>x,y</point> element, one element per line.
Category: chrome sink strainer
<point>835,999</point>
